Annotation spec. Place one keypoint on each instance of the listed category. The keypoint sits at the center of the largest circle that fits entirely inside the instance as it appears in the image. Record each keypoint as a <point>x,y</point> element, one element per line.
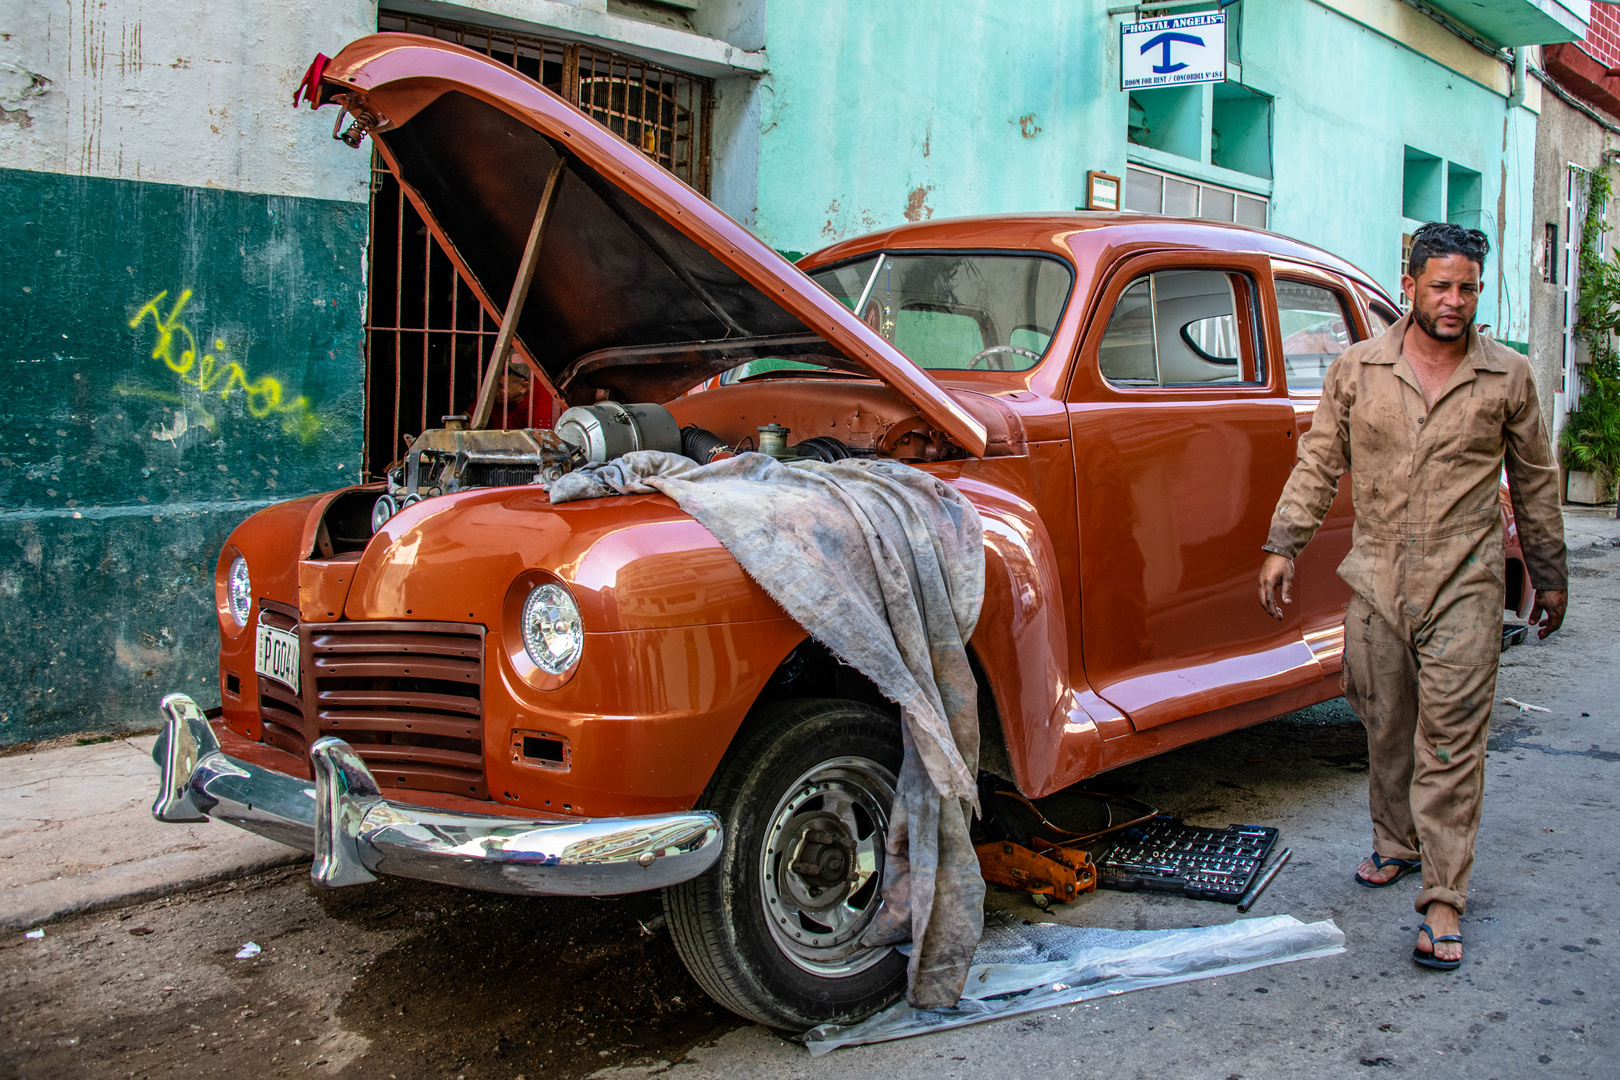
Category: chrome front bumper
<point>356,834</point>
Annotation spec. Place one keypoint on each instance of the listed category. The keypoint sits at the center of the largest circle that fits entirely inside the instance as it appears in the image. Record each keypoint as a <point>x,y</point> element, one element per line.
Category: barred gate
<point>427,337</point>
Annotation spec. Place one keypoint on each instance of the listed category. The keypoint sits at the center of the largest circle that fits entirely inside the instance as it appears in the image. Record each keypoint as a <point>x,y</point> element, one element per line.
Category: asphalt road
<point>411,981</point>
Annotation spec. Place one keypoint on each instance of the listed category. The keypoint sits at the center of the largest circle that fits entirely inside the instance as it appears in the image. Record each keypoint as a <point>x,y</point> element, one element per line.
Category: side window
<point>1315,331</point>
<point>1182,328</point>
<point>1382,319</point>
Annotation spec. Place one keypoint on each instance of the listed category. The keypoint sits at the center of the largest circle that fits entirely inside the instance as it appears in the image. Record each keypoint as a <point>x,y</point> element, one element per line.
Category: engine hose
<point>822,448</point>
<point>702,446</point>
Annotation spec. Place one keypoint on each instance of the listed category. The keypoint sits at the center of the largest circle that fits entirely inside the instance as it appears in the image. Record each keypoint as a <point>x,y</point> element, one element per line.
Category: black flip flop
<point>1428,959</point>
<point>1406,866</point>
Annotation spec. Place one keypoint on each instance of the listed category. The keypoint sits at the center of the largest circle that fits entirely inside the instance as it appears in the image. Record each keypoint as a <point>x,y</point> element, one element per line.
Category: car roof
<point>1055,233</point>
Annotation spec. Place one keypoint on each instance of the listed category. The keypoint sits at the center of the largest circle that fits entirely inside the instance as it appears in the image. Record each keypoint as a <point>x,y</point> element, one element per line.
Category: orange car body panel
<point>1122,525</point>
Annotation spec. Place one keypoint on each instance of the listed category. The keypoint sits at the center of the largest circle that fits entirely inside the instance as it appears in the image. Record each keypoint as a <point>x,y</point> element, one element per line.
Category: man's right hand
<point>1549,611</point>
<point>1276,576</point>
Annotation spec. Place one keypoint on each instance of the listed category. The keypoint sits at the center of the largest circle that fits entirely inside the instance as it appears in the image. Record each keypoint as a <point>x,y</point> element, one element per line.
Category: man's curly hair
<point>1443,238</point>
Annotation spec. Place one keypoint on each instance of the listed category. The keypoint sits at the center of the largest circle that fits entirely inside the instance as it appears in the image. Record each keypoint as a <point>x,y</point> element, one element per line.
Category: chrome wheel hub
<point>822,865</point>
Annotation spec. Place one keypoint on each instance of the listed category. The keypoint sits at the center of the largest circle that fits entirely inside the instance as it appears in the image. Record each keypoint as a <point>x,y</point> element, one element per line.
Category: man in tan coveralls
<point>1425,416</point>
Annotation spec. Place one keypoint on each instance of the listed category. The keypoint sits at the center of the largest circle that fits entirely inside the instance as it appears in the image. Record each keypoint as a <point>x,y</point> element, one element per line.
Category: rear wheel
<point>773,930</point>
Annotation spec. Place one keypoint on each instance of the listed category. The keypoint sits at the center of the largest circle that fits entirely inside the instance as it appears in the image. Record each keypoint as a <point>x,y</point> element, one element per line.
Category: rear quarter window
<point>1315,330</point>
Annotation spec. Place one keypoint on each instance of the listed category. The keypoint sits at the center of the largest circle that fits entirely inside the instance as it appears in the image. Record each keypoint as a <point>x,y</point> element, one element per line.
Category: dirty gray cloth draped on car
<point>884,565</point>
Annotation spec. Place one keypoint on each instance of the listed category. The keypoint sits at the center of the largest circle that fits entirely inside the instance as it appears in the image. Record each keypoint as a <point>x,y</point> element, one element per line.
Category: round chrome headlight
<point>553,634</point>
<point>239,591</point>
<point>381,510</point>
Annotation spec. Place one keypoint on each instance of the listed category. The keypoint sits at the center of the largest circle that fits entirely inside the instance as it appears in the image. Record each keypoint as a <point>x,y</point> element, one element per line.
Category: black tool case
<point>1164,855</point>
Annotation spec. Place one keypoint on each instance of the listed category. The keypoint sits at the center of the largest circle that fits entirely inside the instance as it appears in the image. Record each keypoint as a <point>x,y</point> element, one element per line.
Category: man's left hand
<point>1550,604</point>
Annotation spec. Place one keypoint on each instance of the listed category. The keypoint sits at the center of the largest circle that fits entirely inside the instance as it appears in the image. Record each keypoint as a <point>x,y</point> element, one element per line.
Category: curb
<point>34,911</point>
<point>77,834</point>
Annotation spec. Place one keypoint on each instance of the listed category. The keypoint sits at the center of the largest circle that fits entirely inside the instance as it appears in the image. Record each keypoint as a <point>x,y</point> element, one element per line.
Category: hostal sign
<point>1173,52</point>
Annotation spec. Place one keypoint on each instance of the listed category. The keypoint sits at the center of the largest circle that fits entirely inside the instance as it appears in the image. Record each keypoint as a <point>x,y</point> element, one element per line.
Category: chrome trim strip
<point>355,834</point>
<point>1327,645</point>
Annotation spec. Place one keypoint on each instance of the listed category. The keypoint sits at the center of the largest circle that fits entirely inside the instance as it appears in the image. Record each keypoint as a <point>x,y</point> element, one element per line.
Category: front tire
<point>772,931</point>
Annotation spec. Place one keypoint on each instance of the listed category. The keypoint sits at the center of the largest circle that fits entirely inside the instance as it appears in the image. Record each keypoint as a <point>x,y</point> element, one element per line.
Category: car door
<point>1183,436</point>
<point>1318,319</point>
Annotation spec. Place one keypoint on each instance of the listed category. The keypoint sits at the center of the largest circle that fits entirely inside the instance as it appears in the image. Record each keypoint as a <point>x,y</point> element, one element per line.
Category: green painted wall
<point>1340,146</point>
<point>176,357</point>
<point>877,114</point>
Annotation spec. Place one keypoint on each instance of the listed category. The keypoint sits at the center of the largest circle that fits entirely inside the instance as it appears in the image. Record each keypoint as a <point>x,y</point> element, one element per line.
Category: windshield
<point>985,312</point>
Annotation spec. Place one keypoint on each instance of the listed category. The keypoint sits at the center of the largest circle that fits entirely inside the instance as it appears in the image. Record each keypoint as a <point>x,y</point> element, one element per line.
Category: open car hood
<point>642,288</point>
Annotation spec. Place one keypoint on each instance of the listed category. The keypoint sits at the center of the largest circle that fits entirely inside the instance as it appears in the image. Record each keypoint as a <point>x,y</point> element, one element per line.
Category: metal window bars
<point>664,112</point>
<point>427,337</point>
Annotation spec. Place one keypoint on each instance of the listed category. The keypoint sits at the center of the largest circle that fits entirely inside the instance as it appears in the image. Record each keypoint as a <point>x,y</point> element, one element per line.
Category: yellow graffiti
<point>177,347</point>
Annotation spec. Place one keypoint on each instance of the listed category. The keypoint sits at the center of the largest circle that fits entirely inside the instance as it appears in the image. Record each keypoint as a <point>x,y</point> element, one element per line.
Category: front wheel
<point>773,930</point>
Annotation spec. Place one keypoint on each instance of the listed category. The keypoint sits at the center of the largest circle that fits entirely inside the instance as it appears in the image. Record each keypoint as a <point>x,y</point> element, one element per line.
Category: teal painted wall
<point>873,115</point>
<point>1348,103</point>
<point>176,357</point>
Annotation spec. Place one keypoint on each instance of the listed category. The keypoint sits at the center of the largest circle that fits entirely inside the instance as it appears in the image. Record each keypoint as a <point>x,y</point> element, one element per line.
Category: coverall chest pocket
<point>1479,428</point>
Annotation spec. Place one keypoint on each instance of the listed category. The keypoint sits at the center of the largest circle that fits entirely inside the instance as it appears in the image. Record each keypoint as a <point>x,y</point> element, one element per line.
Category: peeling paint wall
<point>734,154</point>
<point>876,114</point>
<point>173,92</point>
<point>1564,137</point>
<point>183,279</point>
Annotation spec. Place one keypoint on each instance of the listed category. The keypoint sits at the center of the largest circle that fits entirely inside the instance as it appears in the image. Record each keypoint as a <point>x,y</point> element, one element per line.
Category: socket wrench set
<point>1165,855</point>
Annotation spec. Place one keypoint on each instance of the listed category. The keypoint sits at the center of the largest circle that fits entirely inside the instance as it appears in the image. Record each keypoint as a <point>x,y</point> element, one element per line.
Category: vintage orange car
<point>447,677</point>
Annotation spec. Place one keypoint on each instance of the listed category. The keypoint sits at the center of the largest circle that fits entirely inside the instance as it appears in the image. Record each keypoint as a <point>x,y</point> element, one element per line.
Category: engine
<point>456,458</point>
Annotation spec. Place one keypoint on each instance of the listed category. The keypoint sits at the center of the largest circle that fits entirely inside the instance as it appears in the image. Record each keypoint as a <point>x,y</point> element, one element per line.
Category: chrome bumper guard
<point>355,834</point>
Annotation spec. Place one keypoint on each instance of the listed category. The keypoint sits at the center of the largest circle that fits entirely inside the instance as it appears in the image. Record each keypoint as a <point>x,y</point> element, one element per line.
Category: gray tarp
<point>884,565</point>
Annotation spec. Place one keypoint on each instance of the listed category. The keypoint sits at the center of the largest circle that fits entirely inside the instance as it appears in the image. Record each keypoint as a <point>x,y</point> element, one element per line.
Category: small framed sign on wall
<point>1102,191</point>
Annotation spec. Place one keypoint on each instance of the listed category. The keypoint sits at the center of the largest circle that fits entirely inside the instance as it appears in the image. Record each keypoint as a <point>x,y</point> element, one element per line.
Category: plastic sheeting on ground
<point>1022,968</point>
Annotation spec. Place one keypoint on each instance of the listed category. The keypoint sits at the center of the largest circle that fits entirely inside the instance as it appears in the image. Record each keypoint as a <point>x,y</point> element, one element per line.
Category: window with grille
<point>427,337</point>
<point>1153,192</point>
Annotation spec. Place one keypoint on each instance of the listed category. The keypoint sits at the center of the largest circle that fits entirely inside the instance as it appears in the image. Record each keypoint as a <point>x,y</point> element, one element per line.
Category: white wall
<point>195,92</point>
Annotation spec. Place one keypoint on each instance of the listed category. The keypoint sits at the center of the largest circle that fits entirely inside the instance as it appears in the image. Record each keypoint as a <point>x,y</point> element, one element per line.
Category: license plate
<point>276,656</point>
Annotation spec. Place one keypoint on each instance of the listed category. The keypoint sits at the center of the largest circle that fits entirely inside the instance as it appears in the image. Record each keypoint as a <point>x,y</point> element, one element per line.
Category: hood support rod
<point>495,373</point>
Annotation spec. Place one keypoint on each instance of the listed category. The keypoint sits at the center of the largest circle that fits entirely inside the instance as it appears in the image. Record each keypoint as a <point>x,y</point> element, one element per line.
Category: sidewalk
<point>1590,526</point>
<point>76,831</point>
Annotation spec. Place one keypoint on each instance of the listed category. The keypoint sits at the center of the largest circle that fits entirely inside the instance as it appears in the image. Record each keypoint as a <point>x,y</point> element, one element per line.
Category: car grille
<point>406,695</point>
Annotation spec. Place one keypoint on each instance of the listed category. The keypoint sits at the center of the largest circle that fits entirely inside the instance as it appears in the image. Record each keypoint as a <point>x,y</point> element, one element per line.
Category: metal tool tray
<point>1164,855</point>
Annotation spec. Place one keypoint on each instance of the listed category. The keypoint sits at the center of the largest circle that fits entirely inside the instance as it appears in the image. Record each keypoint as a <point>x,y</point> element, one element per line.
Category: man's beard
<point>1427,323</point>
